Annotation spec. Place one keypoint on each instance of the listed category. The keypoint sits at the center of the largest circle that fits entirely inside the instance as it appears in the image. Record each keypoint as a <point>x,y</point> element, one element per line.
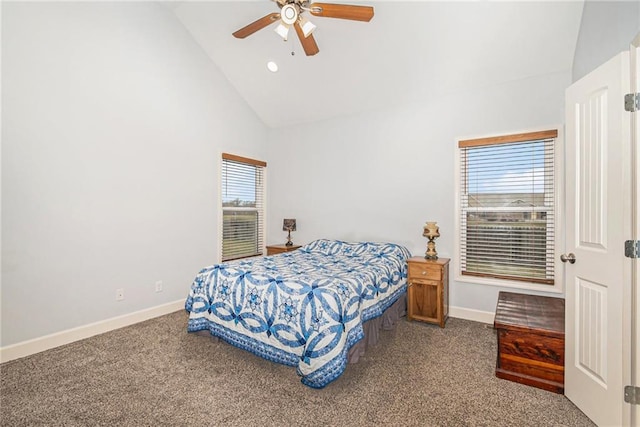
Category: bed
<point>304,308</point>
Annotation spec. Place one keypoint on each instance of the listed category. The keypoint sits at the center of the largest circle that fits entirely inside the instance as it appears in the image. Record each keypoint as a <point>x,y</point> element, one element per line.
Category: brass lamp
<point>289,225</point>
<point>431,231</point>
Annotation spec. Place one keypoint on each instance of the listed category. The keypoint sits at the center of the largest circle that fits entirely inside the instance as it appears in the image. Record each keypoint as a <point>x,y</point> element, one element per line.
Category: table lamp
<point>431,231</point>
<point>289,225</point>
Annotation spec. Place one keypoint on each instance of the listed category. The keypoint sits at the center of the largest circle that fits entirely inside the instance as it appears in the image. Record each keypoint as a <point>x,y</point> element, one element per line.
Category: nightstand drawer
<point>279,249</point>
<point>418,271</point>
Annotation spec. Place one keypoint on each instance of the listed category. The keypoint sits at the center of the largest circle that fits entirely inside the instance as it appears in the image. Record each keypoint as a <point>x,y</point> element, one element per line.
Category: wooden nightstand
<point>428,291</point>
<point>278,249</point>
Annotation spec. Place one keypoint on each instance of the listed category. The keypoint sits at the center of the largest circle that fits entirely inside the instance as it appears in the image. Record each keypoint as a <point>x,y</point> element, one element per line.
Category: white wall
<point>113,123</point>
<point>607,29</point>
<point>381,175</point>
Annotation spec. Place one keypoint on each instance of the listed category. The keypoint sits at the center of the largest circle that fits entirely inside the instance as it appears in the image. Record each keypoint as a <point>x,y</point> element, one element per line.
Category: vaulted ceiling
<point>408,52</point>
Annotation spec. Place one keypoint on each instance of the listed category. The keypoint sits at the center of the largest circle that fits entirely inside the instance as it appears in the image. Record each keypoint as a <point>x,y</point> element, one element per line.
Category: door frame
<point>634,270</point>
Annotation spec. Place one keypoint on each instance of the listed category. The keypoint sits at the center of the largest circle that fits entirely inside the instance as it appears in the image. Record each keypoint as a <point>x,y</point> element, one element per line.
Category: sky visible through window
<point>239,183</point>
<point>507,168</point>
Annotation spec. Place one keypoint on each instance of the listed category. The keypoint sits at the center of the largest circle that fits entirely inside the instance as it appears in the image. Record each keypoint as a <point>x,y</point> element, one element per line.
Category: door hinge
<point>632,395</point>
<point>632,248</point>
<point>632,102</point>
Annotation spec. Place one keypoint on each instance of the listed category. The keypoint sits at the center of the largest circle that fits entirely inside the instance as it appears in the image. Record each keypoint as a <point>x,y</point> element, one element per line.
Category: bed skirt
<point>373,327</point>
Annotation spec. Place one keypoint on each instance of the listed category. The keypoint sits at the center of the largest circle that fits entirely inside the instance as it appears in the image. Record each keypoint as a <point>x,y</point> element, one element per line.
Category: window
<point>242,207</point>
<point>507,216</point>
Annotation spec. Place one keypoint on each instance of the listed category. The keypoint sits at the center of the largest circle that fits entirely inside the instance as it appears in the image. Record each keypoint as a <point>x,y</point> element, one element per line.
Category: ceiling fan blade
<point>308,43</point>
<point>342,11</point>
<point>256,25</point>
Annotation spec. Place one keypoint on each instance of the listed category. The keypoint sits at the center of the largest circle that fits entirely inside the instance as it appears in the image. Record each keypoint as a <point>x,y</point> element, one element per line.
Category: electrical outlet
<point>119,294</point>
<point>159,286</point>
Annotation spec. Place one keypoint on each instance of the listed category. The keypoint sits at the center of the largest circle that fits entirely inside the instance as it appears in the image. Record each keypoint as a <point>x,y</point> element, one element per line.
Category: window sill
<point>513,284</point>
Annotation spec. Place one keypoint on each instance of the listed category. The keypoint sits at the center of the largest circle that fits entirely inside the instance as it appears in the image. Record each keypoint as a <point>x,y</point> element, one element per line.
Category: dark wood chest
<point>530,331</point>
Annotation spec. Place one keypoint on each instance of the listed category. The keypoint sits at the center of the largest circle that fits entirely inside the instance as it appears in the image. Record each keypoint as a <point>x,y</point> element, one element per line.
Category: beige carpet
<point>155,373</point>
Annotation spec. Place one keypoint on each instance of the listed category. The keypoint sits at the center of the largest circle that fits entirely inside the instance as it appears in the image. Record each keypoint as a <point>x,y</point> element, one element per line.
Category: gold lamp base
<point>431,249</point>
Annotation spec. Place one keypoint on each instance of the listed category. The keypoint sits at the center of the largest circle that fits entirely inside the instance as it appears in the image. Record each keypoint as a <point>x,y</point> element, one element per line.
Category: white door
<point>597,218</point>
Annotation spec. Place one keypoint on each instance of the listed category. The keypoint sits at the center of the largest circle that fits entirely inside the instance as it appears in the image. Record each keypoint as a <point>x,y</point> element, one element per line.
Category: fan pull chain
<point>292,49</point>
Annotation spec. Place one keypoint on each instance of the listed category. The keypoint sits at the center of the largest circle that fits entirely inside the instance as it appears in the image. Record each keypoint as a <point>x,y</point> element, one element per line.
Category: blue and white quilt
<point>303,308</point>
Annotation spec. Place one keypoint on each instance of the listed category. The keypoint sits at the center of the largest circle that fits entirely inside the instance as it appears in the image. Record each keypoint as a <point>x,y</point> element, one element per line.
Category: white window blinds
<point>242,207</point>
<point>507,212</point>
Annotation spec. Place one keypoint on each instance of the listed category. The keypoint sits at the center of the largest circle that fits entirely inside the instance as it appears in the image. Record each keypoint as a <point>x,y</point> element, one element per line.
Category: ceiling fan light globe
<point>306,26</point>
<point>282,30</point>
<point>289,14</point>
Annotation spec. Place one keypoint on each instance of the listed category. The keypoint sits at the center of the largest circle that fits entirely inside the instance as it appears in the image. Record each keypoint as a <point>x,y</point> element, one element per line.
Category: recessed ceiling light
<point>272,66</point>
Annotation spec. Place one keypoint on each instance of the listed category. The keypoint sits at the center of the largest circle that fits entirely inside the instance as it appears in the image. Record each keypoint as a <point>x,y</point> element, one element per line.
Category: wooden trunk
<point>530,331</point>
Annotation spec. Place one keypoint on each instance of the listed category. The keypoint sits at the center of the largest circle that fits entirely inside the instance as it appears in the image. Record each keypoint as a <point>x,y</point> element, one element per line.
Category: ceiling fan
<point>291,14</point>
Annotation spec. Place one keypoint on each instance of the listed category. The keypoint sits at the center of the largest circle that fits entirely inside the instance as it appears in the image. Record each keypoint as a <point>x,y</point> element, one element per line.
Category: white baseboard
<point>470,314</point>
<point>27,348</point>
<point>36,345</point>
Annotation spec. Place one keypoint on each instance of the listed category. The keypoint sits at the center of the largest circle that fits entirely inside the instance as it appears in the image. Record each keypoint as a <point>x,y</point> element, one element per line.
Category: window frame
<point>558,198</point>
<point>221,209</point>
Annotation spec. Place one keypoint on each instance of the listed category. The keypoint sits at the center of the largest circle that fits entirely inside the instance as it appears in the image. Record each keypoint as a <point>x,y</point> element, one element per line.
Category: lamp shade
<point>289,225</point>
<point>431,230</point>
<point>306,26</point>
<point>282,30</point>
